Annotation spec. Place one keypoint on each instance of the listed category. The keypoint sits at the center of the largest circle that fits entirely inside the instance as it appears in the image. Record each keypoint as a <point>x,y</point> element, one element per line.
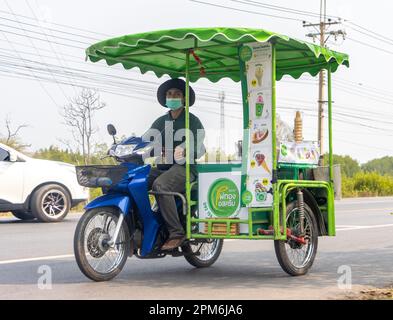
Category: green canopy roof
<point>163,52</point>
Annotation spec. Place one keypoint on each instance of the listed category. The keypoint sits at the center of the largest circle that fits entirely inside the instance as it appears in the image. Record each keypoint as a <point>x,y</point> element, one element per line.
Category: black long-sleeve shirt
<point>169,128</point>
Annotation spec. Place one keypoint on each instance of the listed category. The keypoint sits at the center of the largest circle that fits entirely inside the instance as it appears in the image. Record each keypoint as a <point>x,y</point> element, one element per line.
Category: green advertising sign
<point>223,197</point>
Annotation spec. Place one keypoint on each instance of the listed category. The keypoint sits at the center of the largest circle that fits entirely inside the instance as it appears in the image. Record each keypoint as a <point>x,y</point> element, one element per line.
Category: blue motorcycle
<point>126,221</point>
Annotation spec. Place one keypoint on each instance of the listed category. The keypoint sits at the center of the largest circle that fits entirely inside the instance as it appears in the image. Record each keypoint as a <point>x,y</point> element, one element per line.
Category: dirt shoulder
<point>373,294</point>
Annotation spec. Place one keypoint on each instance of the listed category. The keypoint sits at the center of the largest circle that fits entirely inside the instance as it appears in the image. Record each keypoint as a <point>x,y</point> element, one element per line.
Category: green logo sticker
<point>246,197</point>
<point>223,197</point>
<point>284,150</point>
<point>245,53</point>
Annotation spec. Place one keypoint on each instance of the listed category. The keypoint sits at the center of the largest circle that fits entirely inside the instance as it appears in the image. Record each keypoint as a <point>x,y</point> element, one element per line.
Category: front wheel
<point>95,257</point>
<point>296,258</point>
<point>203,253</point>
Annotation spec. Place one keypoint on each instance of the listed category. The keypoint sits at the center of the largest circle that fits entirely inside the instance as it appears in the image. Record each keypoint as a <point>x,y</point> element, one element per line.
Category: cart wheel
<point>203,253</point>
<point>296,258</point>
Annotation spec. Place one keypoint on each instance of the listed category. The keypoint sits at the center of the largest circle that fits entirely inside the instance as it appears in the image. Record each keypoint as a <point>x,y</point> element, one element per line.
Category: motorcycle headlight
<point>124,150</point>
<point>144,150</point>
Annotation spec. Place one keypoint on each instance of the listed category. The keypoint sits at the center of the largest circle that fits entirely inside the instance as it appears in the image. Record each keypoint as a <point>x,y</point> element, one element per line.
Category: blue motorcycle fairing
<point>123,202</point>
<point>137,141</point>
<point>138,189</point>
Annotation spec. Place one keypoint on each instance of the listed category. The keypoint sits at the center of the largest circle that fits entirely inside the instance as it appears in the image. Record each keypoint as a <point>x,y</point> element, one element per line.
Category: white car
<point>34,188</point>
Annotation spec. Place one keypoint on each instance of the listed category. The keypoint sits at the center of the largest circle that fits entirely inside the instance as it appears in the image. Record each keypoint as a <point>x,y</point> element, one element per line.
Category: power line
<point>283,9</point>
<point>371,31</point>
<point>40,39</point>
<point>40,33</point>
<point>51,29</point>
<point>52,48</point>
<point>62,25</point>
<point>36,78</point>
<point>246,11</point>
<point>35,48</point>
<point>370,46</point>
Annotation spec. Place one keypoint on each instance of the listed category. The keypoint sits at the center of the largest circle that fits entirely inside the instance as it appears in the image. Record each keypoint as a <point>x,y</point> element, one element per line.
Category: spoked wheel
<point>95,257</point>
<point>294,257</point>
<point>203,253</point>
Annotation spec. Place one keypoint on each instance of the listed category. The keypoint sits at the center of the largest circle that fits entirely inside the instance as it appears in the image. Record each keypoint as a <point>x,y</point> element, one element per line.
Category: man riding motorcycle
<point>171,131</point>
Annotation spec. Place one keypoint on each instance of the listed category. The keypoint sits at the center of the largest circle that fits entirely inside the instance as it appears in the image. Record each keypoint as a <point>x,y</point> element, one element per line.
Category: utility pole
<point>323,24</point>
<point>221,96</point>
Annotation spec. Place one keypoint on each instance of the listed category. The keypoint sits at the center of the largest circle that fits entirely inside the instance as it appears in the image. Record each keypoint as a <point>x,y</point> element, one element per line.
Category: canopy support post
<point>330,124</point>
<point>187,123</point>
<point>276,202</point>
<point>331,214</point>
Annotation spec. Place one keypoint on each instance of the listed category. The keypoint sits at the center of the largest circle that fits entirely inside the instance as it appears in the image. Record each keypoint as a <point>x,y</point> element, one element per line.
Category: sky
<point>362,94</point>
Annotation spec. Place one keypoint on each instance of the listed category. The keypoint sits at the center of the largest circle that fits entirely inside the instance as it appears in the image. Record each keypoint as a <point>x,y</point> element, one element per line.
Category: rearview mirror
<point>111,129</point>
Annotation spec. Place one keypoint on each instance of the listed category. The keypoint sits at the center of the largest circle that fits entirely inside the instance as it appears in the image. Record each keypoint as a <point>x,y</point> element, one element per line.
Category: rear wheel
<point>296,258</point>
<point>23,215</point>
<point>50,203</point>
<point>96,259</point>
<point>203,253</point>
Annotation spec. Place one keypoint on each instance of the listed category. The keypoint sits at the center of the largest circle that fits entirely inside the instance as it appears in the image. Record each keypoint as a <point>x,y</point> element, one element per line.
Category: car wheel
<point>50,203</point>
<point>23,215</point>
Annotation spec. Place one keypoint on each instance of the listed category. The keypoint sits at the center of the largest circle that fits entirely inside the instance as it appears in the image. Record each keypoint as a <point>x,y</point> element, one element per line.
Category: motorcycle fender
<point>111,200</point>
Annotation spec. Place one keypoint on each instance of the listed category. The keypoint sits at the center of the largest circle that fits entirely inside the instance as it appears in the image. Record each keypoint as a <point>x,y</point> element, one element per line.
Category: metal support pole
<point>188,155</point>
<point>330,124</point>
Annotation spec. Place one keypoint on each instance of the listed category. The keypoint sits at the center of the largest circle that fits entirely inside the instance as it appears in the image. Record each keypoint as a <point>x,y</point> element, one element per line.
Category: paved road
<point>245,269</point>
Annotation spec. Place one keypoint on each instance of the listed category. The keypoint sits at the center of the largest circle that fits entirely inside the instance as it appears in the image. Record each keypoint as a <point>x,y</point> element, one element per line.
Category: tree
<point>78,115</point>
<point>349,166</point>
<point>383,165</point>
<point>12,138</point>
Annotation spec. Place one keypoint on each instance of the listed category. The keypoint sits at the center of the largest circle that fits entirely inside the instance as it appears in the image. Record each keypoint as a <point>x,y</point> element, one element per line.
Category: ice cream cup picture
<point>260,192</point>
<point>259,105</point>
<point>259,74</point>
<point>259,135</point>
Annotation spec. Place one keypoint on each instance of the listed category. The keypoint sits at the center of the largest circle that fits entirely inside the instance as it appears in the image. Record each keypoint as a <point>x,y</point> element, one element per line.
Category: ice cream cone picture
<point>259,74</point>
<point>261,161</point>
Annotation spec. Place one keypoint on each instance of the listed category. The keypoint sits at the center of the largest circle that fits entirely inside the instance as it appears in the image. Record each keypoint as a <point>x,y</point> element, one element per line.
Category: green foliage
<point>383,165</point>
<point>56,154</point>
<point>367,184</point>
<point>349,166</point>
<point>76,158</point>
<point>15,143</point>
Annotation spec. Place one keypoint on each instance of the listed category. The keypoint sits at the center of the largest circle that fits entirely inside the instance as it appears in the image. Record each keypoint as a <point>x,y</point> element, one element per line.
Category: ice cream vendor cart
<point>273,194</point>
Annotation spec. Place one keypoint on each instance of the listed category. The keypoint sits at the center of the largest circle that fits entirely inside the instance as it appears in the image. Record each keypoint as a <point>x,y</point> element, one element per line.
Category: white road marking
<point>64,256</point>
<point>362,210</point>
<point>363,201</point>
<point>347,228</point>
